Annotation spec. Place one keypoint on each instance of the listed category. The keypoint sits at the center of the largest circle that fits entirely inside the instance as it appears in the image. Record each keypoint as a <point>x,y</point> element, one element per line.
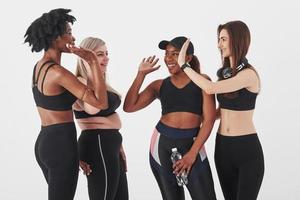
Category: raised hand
<point>86,54</point>
<point>148,65</point>
<point>182,53</point>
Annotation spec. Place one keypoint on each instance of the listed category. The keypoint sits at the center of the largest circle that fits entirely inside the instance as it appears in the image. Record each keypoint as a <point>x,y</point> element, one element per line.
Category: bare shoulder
<point>156,84</point>
<point>61,75</point>
<point>60,71</point>
<point>249,72</point>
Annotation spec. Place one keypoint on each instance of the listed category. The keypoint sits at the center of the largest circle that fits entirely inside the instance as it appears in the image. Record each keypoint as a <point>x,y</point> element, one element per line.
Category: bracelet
<point>86,89</point>
<point>184,66</point>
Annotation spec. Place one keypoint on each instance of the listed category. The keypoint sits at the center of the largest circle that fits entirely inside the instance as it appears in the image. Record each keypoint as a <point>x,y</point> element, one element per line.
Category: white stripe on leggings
<point>104,165</point>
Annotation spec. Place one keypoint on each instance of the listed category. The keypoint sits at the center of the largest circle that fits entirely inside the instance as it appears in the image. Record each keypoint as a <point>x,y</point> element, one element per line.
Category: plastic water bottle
<point>180,178</point>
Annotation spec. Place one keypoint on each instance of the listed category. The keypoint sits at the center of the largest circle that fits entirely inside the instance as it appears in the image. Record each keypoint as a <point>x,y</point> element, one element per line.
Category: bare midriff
<point>110,122</point>
<point>181,120</point>
<point>50,117</point>
<point>236,123</point>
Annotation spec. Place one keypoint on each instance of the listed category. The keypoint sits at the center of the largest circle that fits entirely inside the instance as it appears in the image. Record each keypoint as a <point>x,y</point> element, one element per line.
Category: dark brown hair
<point>239,41</point>
<point>239,36</point>
<point>195,64</point>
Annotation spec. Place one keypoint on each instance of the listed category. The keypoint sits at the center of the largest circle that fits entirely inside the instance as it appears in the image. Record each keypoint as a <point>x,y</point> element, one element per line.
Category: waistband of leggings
<point>238,137</point>
<point>100,131</point>
<point>59,126</point>
<point>176,133</point>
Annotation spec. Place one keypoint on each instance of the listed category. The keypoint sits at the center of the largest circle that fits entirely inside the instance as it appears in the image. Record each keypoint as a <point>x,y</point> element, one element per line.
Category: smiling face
<point>224,43</point>
<point>102,56</point>
<point>171,57</point>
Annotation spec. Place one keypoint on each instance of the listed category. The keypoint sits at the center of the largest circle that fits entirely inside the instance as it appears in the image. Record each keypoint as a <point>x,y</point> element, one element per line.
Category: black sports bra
<point>114,102</point>
<point>60,102</point>
<point>186,99</point>
<point>244,100</point>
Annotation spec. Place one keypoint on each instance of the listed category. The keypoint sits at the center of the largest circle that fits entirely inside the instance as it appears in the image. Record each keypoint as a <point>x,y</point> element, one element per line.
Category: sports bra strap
<point>42,86</point>
<point>38,75</point>
<point>33,75</point>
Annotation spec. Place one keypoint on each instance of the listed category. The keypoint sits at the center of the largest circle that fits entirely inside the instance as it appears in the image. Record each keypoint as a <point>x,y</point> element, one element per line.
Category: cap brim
<point>163,44</point>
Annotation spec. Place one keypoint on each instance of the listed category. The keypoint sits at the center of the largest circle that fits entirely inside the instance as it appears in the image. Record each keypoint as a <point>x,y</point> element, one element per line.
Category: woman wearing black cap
<point>55,89</point>
<point>238,153</point>
<point>188,115</point>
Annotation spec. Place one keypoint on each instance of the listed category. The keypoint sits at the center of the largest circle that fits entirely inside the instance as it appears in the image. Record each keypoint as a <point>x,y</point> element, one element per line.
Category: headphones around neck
<point>226,72</point>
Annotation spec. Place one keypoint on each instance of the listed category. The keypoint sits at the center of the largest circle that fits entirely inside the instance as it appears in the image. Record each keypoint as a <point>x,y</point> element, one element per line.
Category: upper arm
<point>244,79</point>
<point>85,106</point>
<point>147,96</point>
<point>209,105</point>
<point>67,80</point>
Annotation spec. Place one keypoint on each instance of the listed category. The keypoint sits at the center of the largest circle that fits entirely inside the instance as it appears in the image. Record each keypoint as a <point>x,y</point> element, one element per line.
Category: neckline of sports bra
<point>178,87</point>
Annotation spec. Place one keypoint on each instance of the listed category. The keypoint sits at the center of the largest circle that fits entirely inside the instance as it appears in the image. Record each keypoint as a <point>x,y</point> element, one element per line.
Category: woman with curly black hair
<point>55,89</point>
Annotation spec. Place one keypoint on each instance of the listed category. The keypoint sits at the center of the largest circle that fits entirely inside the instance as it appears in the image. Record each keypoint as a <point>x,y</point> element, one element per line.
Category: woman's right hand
<point>148,65</point>
<point>88,55</point>
<point>86,168</point>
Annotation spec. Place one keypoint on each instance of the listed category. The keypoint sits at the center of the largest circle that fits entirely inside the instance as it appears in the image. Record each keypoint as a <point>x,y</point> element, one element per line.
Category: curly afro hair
<point>44,30</point>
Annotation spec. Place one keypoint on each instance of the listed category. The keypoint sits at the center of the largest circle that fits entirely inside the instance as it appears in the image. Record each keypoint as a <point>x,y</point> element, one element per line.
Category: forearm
<point>203,135</point>
<point>98,83</point>
<point>200,80</point>
<point>133,92</point>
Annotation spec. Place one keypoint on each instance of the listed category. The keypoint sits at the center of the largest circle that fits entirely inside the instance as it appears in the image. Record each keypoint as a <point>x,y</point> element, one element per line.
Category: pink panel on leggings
<point>154,145</point>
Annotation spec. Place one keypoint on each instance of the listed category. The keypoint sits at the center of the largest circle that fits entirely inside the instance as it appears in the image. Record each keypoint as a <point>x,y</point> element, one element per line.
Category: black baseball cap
<point>177,43</point>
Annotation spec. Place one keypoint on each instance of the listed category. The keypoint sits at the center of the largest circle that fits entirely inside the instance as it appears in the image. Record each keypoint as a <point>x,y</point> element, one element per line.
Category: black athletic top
<point>186,99</point>
<point>114,102</point>
<point>60,102</point>
<point>243,100</point>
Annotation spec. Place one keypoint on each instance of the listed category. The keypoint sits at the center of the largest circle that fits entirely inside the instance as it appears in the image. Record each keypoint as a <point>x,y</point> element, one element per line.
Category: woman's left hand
<point>184,164</point>
<point>182,53</point>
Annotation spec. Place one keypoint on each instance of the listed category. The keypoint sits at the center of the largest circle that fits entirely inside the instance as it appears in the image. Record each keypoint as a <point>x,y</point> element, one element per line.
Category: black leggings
<point>200,183</point>
<point>56,154</point>
<point>100,148</point>
<point>240,166</point>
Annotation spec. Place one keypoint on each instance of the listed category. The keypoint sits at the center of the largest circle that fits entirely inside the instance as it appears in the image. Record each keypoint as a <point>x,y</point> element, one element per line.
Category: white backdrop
<point>132,30</point>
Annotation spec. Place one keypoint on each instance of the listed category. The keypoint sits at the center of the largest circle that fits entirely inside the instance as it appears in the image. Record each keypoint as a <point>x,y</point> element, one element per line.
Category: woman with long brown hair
<point>238,153</point>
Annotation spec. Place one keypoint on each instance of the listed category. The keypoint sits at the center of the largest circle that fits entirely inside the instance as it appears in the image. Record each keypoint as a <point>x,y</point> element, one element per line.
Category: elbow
<point>209,124</point>
<point>210,121</point>
<point>101,105</point>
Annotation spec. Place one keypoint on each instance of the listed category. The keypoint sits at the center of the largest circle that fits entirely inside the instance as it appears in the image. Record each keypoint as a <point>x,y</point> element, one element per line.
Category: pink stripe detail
<point>153,140</point>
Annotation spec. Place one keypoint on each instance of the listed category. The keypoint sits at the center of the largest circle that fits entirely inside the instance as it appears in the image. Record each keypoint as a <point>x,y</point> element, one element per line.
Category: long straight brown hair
<point>239,36</point>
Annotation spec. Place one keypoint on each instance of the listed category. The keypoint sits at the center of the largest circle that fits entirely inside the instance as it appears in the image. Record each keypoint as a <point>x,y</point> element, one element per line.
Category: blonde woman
<point>100,144</point>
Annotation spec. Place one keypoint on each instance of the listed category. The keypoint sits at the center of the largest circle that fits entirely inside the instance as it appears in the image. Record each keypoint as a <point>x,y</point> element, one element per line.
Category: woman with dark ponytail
<point>55,89</point>
<point>188,116</point>
<point>238,153</point>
